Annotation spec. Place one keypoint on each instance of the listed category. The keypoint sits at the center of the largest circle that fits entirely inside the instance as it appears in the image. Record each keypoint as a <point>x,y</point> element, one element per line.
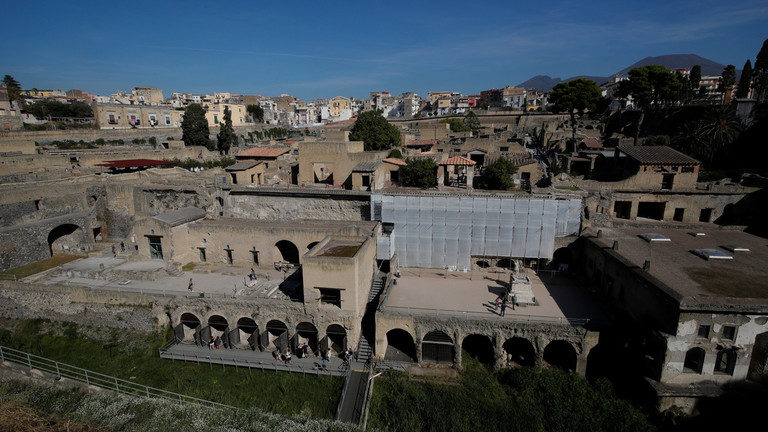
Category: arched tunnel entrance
<point>65,238</point>
<point>218,327</point>
<point>188,329</point>
<point>520,351</point>
<point>437,347</point>
<point>287,251</point>
<point>247,333</point>
<point>276,336</point>
<point>479,347</point>
<point>336,338</point>
<point>306,333</point>
<point>400,346</point>
<point>561,355</point>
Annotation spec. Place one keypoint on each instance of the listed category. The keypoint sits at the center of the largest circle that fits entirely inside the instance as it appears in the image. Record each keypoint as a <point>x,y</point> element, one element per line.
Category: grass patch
<point>31,407</point>
<point>40,266</point>
<point>277,392</point>
<point>525,399</point>
<point>189,266</point>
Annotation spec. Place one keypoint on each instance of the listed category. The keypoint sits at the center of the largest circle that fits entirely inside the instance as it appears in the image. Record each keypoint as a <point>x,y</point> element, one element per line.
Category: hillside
<point>671,61</point>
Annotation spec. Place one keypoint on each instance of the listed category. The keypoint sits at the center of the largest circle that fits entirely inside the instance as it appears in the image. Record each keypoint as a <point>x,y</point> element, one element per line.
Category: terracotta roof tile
<point>395,161</point>
<point>657,155</point>
<point>458,160</point>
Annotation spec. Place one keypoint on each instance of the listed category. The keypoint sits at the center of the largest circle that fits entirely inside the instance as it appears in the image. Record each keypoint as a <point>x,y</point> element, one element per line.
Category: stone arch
<point>437,347</point>
<point>560,354</point>
<point>64,237</point>
<point>725,361</point>
<point>218,326</point>
<point>479,347</point>
<point>400,346</point>
<point>188,328</point>
<point>336,338</point>
<point>520,351</point>
<point>287,251</point>
<point>306,333</point>
<point>483,264</point>
<point>506,263</point>
<point>694,360</point>
<point>311,245</point>
<point>248,333</point>
<point>561,256</point>
<point>276,335</point>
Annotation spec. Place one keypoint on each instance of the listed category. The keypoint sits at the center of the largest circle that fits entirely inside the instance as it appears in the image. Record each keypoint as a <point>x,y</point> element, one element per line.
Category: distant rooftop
<point>339,248</point>
<point>657,155</point>
<point>458,160</point>
<point>263,152</point>
<point>181,216</point>
<point>242,165</point>
<point>367,166</point>
<point>395,161</point>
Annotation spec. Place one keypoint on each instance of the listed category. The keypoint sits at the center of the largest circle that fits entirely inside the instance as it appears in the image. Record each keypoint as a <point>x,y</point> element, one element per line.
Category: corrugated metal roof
<point>366,166</point>
<point>657,155</point>
<point>242,165</point>
<point>180,216</point>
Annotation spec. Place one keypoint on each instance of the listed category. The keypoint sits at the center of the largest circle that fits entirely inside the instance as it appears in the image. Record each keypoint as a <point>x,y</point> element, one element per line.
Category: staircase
<point>364,351</point>
<point>376,286</point>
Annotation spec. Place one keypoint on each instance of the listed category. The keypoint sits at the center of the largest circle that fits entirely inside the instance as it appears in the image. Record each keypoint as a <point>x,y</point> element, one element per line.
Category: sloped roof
<point>592,143</point>
<point>657,155</point>
<point>242,165</point>
<point>180,216</point>
<point>366,166</point>
<point>263,152</point>
<point>458,160</point>
<point>395,161</point>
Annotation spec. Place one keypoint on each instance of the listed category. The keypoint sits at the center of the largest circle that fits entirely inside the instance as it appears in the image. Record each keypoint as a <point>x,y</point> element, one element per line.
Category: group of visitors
<point>283,357</point>
<point>252,274</point>
<point>114,249</point>
<point>215,343</point>
<point>504,300</point>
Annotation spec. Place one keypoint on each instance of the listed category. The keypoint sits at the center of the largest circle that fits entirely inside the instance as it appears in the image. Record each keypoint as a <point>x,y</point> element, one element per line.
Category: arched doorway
<point>287,251</point>
<point>306,333</point>
<point>560,354</point>
<point>479,347</point>
<point>506,263</point>
<point>218,327</point>
<point>336,338</point>
<point>189,325</point>
<point>694,360</point>
<point>311,245</point>
<point>64,238</point>
<point>277,335</point>
<point>400,346</point>
<point>562,258</point>
<point>437,347</point>
<point>520,351</point>
<point>248,333</point>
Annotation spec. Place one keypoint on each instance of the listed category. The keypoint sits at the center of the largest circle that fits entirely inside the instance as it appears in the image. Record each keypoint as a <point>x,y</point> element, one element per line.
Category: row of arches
<point>725,361</point>
<point>288,251</point>
<point>439,347</point>
<point>246,334</point>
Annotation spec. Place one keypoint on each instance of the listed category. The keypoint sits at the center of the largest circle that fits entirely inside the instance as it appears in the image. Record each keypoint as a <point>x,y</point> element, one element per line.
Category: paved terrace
<point>435,292</point>
<point>108,273</point>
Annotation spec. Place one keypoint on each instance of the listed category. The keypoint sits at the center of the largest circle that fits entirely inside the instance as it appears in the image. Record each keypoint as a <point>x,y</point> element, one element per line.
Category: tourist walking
<point>211,342</point>
<point>288,358</point>
<point>114,251</point>
<point>219,342</point>
<point>191,286</point>
<point>503,306</point>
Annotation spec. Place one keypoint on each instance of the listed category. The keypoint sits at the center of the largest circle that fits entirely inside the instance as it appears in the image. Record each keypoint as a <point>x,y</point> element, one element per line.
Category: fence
<point>97,379</point>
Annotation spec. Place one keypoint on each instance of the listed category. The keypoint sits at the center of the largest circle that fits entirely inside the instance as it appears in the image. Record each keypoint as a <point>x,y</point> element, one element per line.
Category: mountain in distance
<point>670,61</point>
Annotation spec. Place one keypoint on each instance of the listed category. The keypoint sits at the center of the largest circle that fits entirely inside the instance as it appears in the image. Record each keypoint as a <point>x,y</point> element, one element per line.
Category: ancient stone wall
<point>294,208</point>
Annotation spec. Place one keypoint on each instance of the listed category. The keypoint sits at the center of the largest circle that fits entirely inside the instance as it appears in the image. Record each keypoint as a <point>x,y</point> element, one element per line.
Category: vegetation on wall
<point>222,162</point>
<point>456,125</point>
<point>419,172</point>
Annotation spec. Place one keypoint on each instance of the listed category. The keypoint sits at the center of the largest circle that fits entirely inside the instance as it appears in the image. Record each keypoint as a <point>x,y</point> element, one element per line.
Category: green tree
<point>745,82</point>
<point>651,86</point>
<point>256,112</point>
<point>760,73</point>
<point>375,131</point>
<point>396,153</point>
<point>497,175</point>
<point>694,79</point>
<point>575,96</point>
<point>421,173</point>
<point>13,87</point>
<point>472,122</point>
<point>727,80</point>
<point>456,125</point>
<point>226,137</point>
<point>718,130</point>
<point>194,128</point>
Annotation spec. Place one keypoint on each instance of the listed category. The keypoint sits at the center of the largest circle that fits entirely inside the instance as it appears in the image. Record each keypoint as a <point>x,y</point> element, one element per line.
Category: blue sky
<point>329,48</point>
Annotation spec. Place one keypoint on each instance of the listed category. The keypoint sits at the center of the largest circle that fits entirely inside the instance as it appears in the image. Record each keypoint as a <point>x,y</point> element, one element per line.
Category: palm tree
<point>718,130</point>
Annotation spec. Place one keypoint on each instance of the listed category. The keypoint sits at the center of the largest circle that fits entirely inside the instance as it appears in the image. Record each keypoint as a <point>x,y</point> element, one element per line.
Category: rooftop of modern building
<point>730,279</point>
<point>657,155</point>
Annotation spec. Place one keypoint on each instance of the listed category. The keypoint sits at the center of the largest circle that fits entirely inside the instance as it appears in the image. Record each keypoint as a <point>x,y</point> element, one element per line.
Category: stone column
<point>540,343</point>
<point>457,349</point>
<point>470,176</point>
<point>501,356</point>
<point>417,343</point>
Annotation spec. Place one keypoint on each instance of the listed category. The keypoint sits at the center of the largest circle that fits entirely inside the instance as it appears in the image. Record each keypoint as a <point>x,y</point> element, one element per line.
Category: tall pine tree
<point>745,82</point>
<point>226,137</point>
<point>760,73</point>
<point>13,87</point>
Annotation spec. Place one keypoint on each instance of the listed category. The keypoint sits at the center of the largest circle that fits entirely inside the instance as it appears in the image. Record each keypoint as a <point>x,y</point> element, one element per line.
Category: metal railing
<point>274,365</point>
<point>107,382</point>
<point>539,319</point>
